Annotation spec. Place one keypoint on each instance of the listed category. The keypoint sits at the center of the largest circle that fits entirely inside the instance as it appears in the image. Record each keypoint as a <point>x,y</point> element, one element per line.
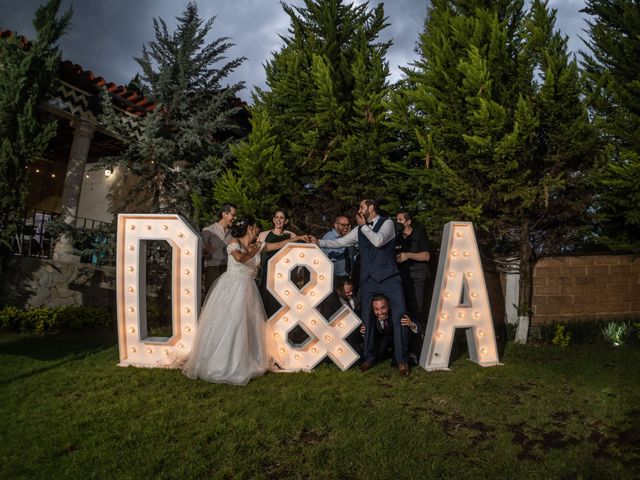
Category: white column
<point>82,135</point>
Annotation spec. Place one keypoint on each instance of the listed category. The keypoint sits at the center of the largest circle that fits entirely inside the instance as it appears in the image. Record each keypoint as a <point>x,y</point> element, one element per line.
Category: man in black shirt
<point>413,256</point>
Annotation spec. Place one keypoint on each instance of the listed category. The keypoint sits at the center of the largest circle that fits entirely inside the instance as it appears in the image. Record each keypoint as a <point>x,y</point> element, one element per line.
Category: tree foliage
<point>324,106</point>
<point>186,138</point>
<point>29,73</point>
<point>614,94</point>
<point>493,110</point>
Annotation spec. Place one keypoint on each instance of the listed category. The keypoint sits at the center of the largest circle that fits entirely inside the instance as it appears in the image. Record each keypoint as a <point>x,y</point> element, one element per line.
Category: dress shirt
<point>336,255</point>
<point>383,236</point>
<point>215,236</point>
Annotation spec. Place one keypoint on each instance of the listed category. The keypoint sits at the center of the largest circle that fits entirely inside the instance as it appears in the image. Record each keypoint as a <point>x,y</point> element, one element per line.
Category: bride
<point>230,345</point>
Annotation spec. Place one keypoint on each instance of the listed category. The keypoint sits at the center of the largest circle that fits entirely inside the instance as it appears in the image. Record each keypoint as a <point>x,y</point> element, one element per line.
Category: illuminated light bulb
<point>53,175</point>
<point>476,314</point>
<point>439,335</point>
<point>282,350</point>
<point>460,315</point>
<point>341,325</point>
<point>187,329</point>
<point>447,294</point>
<point>37,170</point>
<point>279,275</point>
<point>299,306</point>
<point>316,262</point>
<point>132,248</point>
<point>301,255</point>
<point>180,234</point>
<point>187,252</point>
<point>474,294</point>
<point>483,350</point>
<point>465,253</point>
<point>286,260</point>
<point>314,322</point>
<point>480,333</point>
<point>314,350</point>
<point>296,356</point>
<point>276,335</point>
<point>149,350</point>
<point>132,227</point>
<point>321,277</point>
<point>165,351</point>
<point>187,291</point>
<point>187,272</point>
<point>286,292</point>
<point>286,319</point>
<point>131,269</point>
<point>131,309</point>
<point>132,349</point>
<point>313,294</point>
<point>459,234</point>
<point>469,274</point>
<point>87,176</point>
<point>187,310</point>
<point>131,289</point>
<point>180,345</point>
<point>454,254</point>
<point>452,274</point>
<point>165,227</point>
<point>339,350</point>
<point>148,227</point>
<point>444,315</point>
<point>327,338</point>
<point>132,330</point>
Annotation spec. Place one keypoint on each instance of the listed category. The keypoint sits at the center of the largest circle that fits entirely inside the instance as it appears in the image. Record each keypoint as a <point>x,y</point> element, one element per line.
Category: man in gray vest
<point>379,274</point>
<point>215,238</point>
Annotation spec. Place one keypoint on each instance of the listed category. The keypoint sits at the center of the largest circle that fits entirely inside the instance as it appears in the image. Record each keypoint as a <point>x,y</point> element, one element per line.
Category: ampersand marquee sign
<point>299,309</point>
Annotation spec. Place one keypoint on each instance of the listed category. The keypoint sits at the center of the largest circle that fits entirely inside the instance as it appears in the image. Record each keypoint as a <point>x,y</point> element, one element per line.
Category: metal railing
<point>32,238</point>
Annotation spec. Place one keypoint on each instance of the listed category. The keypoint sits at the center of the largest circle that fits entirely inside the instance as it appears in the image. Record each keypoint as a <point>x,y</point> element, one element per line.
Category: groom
<point>378,275</point>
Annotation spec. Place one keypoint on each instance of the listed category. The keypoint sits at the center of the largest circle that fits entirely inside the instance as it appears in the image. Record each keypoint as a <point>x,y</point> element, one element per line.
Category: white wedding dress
<point>230,344</point>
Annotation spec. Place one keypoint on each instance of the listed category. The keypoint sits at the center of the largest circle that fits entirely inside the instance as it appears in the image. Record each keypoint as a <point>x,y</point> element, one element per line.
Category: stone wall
<point>35,282</point>
<point>586,288</point>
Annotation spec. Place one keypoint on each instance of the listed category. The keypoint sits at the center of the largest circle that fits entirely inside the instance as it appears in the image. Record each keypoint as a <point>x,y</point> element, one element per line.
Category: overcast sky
<point>105,35</point>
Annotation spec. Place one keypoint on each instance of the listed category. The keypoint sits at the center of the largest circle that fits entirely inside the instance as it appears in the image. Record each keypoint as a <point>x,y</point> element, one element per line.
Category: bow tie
<point>370,224</point>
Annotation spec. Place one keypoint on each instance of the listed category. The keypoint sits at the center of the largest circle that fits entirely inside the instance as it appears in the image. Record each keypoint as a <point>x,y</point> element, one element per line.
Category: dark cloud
<point>106,35</point>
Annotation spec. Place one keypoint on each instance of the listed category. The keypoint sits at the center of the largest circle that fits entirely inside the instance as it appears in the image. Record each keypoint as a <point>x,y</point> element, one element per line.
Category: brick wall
<point>586,287</point>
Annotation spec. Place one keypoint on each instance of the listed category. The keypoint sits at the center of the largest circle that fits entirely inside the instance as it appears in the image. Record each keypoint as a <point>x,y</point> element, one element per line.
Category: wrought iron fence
<point>32,238</point>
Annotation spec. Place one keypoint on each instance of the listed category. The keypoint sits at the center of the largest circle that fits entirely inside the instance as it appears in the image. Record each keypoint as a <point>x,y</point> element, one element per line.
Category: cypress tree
<point>325,87</point>
<point>614,94</point>
<point>186,138</point>
<point>29,74</point>
<point>495,105</point>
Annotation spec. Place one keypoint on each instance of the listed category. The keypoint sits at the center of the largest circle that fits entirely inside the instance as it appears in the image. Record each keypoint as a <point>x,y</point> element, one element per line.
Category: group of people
<point>380,269</point>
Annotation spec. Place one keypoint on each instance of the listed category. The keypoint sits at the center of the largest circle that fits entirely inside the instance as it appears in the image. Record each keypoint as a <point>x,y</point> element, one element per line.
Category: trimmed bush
<point>51,320</point>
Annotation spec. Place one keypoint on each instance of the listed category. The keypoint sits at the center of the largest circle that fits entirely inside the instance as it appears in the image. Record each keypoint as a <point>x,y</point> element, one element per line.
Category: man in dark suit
<point>379,273</point>
<point>384,328</point>
<point>342,296</point>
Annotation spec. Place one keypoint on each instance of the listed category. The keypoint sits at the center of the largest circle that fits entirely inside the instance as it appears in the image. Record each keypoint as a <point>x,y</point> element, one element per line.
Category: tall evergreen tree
<point>29,73</point>
<point>495,110</point>
<point>614,81</point>
<point>324,94</point>
<point>186,138</point>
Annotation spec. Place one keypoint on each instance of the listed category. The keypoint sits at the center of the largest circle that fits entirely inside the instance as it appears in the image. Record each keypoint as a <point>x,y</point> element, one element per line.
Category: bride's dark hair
<point>239,227</point>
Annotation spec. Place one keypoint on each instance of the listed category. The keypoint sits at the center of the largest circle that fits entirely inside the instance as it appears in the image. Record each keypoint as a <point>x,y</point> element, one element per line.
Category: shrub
<point>616,333</point>
<point>50,320</point>
<point>561,338</point>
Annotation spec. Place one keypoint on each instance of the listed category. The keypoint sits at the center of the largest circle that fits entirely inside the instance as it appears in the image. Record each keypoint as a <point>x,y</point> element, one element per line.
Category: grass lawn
<point>69,412</point>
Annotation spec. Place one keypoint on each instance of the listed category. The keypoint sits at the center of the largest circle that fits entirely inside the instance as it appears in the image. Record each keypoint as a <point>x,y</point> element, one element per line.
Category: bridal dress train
<point>230,344</point>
